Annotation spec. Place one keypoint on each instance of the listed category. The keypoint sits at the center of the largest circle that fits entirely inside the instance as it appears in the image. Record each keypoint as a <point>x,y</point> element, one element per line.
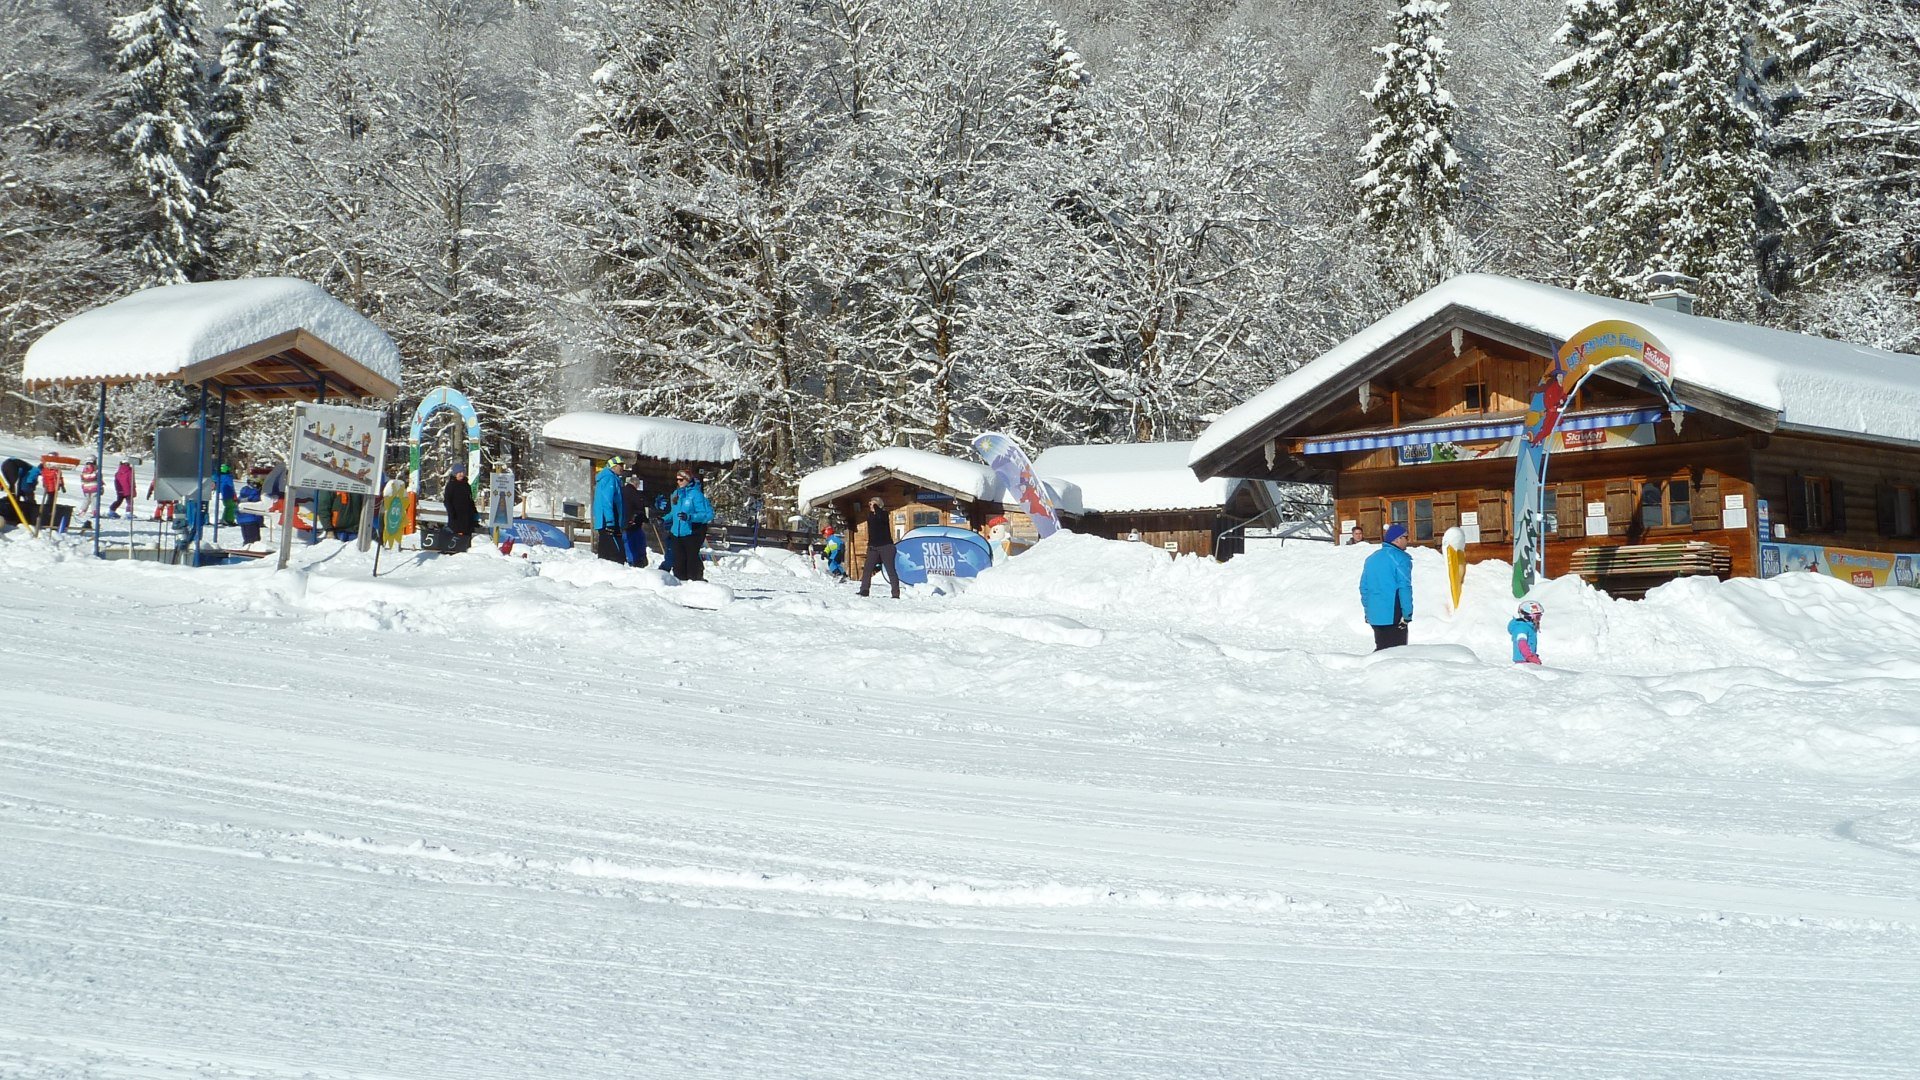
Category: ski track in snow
<point>491,818</point>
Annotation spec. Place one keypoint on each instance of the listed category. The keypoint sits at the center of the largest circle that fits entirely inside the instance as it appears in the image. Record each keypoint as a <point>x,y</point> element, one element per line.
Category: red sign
<point>1657,360</point>
<point>1863,578</point>
<point>1581,440</point>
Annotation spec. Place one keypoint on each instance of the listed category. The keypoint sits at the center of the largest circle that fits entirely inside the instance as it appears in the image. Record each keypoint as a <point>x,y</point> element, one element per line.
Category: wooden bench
<point>1629,570</point>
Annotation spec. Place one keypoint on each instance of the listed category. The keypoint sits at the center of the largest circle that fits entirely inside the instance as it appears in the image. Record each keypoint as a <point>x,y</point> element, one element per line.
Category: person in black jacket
<point>880,549</point>
<point>462,516</point>
<point>635,534</point>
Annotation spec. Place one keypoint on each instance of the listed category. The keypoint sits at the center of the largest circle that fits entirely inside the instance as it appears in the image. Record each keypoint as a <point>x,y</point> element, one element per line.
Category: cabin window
<point>1899,510</point>
<point>923,518</point>
<point>1666,502</point>
<point>1416,515</point>
<point>1476,397</point>
<point>1819,502</point>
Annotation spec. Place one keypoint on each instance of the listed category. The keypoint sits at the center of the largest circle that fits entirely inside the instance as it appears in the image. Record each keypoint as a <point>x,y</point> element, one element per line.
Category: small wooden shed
<point>655,447</point>
<point>918,487</point>
<point>1146,492</point>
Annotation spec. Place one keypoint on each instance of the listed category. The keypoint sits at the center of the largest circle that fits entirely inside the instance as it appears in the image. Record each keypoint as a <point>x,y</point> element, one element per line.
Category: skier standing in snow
<point>248,520</point>
<point>1524,629</point>
<point>609,512</point>
<point>229,498</point>
<point>1386,589</point>
<point>90,490</point>
<point>836,553</point>
<point>634,535</point>
<point>122,489</point>
<point>52,483</point>
<point>462,516</point>
<point>687,519</point>
<point>880,549</point>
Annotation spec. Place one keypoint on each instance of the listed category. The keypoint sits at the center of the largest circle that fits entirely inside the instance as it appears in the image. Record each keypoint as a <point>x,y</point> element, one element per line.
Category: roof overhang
<point>875,475</point>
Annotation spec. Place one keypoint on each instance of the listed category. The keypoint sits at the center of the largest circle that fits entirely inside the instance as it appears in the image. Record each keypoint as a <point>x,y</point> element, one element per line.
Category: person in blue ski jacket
<point>248,520</point>
<point>836,552</point>
<point>1524,629</point>
<point>687,518</point>
<point>1386,589</point>
<point>609,513</point>
<point>229,498</point>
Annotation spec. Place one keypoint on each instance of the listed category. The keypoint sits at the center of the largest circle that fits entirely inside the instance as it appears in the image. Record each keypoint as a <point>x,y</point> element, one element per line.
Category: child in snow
<point>52,483</point>
<point>836,553</point>
<point>90,490</point>
<point>122,489</point>
<point>248,520</point>
<point>1525,632</point>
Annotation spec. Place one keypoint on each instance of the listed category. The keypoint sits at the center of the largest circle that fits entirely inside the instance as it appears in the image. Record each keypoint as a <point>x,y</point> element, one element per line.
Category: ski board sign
<point>336,448</point>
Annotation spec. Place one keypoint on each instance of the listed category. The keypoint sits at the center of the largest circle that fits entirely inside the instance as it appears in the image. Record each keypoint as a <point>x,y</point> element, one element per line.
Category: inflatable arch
<point>443,397</point>
<point>1601,345</point>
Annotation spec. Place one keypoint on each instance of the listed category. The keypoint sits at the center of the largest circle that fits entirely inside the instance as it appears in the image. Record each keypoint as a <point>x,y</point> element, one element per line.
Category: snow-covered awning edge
<point>660,438</point>
<point>204,331</point>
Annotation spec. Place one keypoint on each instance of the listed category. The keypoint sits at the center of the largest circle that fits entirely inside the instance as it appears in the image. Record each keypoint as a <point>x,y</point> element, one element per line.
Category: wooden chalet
<point>654,447</point>
<point>1145,492</point>
<point>918,487</point>
<point>1785,452</point>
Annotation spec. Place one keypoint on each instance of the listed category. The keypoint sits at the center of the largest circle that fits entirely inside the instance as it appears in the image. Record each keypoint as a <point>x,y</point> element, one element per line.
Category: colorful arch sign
<point>1603,344</point>
<point>443,397</point>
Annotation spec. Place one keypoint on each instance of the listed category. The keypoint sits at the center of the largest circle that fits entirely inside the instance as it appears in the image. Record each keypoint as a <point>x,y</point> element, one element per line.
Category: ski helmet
<point>1531,610</point>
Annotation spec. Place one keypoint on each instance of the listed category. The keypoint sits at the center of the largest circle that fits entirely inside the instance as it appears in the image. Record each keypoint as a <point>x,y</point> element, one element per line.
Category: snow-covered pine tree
<point>165,133</point>
<point>256,59</point>
<point>1412,180</point>
<point>1672,169</point>
<point>1856,143</point>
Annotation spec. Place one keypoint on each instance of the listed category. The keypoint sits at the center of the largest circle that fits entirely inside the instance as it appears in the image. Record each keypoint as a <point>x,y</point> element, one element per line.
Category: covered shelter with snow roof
<point>270,339</point>
<point>918,487</point>
<point>1146,492</point>
<point>1755,451</point>
<point>654,447</point>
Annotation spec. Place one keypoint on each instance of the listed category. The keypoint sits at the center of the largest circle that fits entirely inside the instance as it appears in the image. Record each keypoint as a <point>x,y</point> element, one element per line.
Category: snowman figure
<point>1000,539</point>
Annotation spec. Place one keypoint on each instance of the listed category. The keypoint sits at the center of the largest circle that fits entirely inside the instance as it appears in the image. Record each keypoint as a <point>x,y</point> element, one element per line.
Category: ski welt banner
<point>1016,474</point>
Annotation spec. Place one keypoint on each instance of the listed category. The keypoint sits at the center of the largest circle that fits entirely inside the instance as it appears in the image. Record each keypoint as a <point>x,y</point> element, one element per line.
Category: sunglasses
<point>683,479</point>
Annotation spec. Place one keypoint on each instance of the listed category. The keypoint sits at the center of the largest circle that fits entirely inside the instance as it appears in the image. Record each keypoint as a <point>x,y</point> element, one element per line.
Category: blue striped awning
<point>1481,431</point>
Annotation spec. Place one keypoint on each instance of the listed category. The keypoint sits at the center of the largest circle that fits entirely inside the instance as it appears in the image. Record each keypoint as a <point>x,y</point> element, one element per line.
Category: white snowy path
<point>478,820</point>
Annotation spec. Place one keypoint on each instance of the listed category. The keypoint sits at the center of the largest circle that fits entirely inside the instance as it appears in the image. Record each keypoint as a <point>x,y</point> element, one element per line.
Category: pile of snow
<point>658,437</point>
<point>1129,477</point>
<point>158,333</point>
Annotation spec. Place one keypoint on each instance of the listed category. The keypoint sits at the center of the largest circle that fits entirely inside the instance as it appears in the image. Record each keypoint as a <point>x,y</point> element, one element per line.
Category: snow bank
<point>160,332</point>
<point>657,437</point>
<point>1812,383</point>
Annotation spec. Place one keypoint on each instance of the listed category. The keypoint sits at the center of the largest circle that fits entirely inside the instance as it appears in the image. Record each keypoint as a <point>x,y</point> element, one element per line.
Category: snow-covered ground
<point>1103,814</point>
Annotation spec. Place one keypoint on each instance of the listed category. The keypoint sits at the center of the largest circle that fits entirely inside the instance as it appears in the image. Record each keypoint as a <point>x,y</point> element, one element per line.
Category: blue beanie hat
<point>1394,532</point>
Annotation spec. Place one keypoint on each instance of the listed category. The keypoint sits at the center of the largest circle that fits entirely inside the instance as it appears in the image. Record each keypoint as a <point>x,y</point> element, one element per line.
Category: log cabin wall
<point>1675,489</point>
<point>1191,531</point>
<point>1840,493</point>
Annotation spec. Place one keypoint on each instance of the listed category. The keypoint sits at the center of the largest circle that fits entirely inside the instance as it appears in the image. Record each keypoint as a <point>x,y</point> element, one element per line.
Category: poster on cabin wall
<point>1867,569</point>
<point>1558,442</point>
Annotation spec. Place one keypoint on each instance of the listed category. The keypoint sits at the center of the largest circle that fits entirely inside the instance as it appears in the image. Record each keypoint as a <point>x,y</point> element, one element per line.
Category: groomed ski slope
<point>1103,815</point>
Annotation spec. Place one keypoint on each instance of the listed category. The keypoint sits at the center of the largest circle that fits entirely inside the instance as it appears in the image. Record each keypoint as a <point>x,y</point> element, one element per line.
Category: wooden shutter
<point>1370,514</point>
<point>1796,504</point>
<point>1706,502</point>
<point>1570,508</point>
<point>1446,512</point>
<point>1494,522</point>
<point>1622,502</point>
<point>1884,496</point>
<point>1838,491</point>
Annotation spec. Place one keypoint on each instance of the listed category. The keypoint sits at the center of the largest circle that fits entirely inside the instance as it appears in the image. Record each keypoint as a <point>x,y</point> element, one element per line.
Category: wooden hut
<point>1727,448</point>
<point>918,487</point>
<point>1146,492</point>
<point>654,447</point>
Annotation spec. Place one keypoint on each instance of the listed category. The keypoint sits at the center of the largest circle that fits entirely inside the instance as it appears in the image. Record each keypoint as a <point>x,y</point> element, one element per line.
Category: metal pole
<point>198,521</point>
<point>100,468</point>
<point>219,457</point>
<point>319,398</point>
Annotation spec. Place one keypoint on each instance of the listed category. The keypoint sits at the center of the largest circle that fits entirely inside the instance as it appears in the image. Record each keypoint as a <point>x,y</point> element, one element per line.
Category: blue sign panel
<point>940,549</point>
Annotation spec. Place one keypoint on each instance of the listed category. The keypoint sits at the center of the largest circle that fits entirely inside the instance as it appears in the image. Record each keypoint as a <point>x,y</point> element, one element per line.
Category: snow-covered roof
<point>1807,383</point>
<point>657,437</point>
<point>970,479</point>
<point>1130,477</point>
<point>186,332</point>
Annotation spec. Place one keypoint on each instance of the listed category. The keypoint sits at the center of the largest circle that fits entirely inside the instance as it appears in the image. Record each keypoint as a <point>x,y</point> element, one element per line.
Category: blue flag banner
<point>1016,474</point>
